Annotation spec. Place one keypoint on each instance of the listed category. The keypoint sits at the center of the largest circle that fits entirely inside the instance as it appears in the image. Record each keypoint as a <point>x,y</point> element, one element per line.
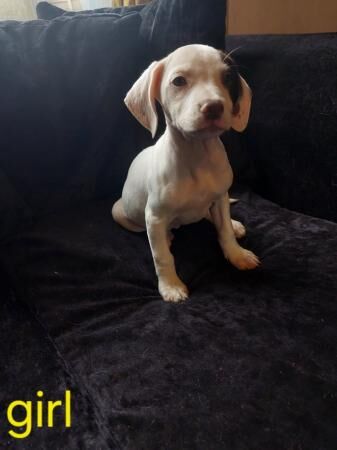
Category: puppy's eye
<point>179,81</point>
<point>228,77</point>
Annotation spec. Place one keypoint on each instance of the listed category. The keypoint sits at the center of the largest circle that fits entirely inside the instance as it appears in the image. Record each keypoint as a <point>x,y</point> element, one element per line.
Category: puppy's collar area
<point>177,143</point>
<point>204,134</point>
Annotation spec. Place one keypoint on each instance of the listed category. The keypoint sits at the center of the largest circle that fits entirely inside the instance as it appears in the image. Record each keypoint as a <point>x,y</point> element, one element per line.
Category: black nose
<point>212,109</point>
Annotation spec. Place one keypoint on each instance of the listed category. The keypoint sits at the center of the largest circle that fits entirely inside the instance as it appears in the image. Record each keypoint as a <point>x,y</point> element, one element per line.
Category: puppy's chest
<point>193,196</point>
<point>203,188</point>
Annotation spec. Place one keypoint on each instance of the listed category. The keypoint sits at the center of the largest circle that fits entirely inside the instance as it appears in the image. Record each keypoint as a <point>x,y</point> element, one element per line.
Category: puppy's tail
<point>233,200</point>
<point>120,217</point>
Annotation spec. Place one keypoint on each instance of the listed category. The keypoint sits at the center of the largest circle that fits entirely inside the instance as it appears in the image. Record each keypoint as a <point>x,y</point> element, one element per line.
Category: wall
<point>281,16</point>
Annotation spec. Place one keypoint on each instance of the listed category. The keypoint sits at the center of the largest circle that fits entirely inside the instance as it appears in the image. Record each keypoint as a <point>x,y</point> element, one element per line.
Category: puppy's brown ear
<point>241,109</point>
<point>141,98</point>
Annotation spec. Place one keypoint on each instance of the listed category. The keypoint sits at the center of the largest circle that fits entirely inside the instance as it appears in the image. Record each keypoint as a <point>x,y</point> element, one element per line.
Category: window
<point>17,9</point>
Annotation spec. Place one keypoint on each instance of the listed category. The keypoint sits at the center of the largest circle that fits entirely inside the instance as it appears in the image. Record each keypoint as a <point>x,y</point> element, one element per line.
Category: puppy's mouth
<point>205,132</point>
<point>212,127</point>
<point>205,129</point>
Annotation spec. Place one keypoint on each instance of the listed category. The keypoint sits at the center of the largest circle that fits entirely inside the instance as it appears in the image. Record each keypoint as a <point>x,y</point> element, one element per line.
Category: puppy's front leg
<point>171,288</point>
<point>240,257</point>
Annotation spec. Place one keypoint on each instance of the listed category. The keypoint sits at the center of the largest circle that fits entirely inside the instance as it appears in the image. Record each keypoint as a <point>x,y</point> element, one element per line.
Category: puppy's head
<point>200,90</point>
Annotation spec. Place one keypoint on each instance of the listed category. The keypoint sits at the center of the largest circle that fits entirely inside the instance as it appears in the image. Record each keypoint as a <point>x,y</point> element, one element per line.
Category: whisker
<point>228,55</point>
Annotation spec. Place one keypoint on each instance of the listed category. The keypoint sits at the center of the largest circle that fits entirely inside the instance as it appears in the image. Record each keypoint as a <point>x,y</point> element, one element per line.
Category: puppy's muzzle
<point>212,110</point>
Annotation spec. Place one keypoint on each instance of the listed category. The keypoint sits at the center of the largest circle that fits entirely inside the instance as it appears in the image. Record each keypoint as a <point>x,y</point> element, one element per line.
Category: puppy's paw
<point>239,229</point>
<point>173,291</point>
<point>243,259</point>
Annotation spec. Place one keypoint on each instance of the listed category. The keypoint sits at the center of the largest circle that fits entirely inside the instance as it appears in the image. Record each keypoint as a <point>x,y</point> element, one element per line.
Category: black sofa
<point>249,361</point>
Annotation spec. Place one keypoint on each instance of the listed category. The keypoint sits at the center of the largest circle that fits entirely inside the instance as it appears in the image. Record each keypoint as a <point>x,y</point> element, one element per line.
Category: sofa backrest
<point>292,136</point>
<point>48,11</point>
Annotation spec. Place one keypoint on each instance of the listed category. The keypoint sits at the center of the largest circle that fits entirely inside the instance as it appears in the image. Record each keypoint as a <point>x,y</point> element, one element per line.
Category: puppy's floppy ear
<point>141,98</point>
<point>241,109</point>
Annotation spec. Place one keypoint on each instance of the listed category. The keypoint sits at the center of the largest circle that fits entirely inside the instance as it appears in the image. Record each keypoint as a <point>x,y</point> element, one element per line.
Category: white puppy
<point>185,176</point>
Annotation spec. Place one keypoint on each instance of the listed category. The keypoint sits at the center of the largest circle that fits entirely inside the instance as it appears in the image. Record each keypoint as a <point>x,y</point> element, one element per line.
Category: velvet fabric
<point>30,362</point>
<point>169,24</point>
<point>249,361</point>
<point>47,11</point>
<point>292,131</point>
<point>166,24</point>
<point>62,109</point>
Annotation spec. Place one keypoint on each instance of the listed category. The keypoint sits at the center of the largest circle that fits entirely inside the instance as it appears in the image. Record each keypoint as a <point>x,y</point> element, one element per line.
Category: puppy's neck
<point>190,147</point>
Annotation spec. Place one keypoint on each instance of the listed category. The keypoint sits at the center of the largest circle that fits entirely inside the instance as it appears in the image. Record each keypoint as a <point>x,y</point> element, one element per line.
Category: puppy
<point>185,176</point>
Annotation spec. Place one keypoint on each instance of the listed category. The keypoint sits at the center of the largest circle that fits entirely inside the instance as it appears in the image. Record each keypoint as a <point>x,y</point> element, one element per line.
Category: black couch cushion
<point>247,362</point>
<point>292,133</point>
<point>14,211</point>
<point>169,24</point>
<point>166,24</point>
<point>30,362</point>
<point>62,84</point>
<point>47,11</point>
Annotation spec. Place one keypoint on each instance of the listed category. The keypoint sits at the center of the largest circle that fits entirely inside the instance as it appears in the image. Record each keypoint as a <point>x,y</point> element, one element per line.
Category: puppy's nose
<point>212,109</point>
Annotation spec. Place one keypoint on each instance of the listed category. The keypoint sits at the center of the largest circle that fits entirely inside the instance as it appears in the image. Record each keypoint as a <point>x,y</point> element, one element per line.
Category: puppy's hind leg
<point>240,257</point>
<point>238,228</point>
<point>120,217</point>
